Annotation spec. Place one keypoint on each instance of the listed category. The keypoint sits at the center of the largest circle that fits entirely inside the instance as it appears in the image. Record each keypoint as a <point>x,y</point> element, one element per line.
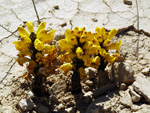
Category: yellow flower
<point>48,49</point>
<point>20,45</point>
<point>79,52</point>
<point>106,43</point>
<point>93,50</point>
<point>26,40</point>
<point>22,60</point>
<point>65,45</point>
<point>67,57</point>
<point>103,52</point>
<point>66,67</point>
<point>82,39</point>
<point>114,45</point>
<point>38,55</point>
<point>24,53</point>
<point>41,27</point>
<point>82,73</point>
<point>110,58</point>
<point>32,65</point>
<point>30,26</point>
<point>112,33</point>
<point>96,60</point>
<point>87,45</point>
<point>23,32</point>
<point>87,60</point>
<point>38,44</point>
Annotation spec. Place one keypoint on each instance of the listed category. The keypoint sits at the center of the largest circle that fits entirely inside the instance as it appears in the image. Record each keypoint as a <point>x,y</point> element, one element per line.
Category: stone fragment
<point>58,87</point>
<point>26,104</point>
<point>142,86</point>
<point>88,97</point>
<point>70,110</point>
<point>122,73</point>
<point>91,72</point>
<point>143,62</point>
<point>89,83</point>
<point>86,88</point>
<point>135,96</point>
<point>126,98</point>
<point>128,2</point>
<point>104,89</point>
<point>135,108</point>
<point>145,71</point>
<point>43,109</point>
<point>103,77</point>
<point>7,109</point>
<point>30,94</point>
<point>123,86</point>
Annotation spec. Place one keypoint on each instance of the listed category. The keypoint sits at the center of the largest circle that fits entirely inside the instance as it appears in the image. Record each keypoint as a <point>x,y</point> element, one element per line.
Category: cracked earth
<point>130,17</point>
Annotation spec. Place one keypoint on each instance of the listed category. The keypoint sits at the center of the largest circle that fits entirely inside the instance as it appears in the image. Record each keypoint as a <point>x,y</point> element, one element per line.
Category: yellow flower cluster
<point>84,48</point>
<point>35,48</point>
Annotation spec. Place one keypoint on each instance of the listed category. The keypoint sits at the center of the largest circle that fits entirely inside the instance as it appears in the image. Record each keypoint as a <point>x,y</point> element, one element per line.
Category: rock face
<point>122,73</point>
<point>91,72</point>
<point>7,109</point>
<point>142,85</point>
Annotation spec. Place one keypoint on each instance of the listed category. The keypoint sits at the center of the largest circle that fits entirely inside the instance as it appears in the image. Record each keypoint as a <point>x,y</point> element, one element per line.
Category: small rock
<point>91,72</point>
<point>30,94</point>
<point>142,86</point>
<point>104,89</point>
<point>86,88</point>
<point>89,83</point>
<point>145,71</point>
<point>103,77</point>
<point>123,86</point>
<point>126,98</point>
<point>107,106</point>
<point>142,62</point>
<point>43,109</point>
<point>58,87</point>
<point>7,109</point>
<point>122,73</point>
<point>26,104</point>
<point>135,97</point>
<point>88,97</point>
<point>135,108</point>
<point>70,110</point>
<point>128,2</point>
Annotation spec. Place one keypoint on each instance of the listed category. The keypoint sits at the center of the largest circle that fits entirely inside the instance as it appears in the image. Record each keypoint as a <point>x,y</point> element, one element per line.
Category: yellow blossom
<point>93,50</point>
<point>22,60</point>
<point>87,45</point>
<point>110,58</point>
<point>87,60</point>
<point>66,67</point>
<point>115,45</point>
<point>103,52</point>
<point>23,32</point>
<point>38,44</point>
<point>106,43</point>
<point>112,33</point>
<point>20,45</point>
<point>30,26</point>
<point>41,27</point>
<point>96,60</point>
<point>65,45</point>
<point>79,52</point>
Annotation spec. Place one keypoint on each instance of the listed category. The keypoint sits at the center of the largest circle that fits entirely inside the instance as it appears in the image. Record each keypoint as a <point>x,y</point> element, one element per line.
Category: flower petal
<point>66,67</point>
<point>30,26</point>
<point>23,32</point>
<point>103,52</point>
<point>79,52</point>
<point>106,43</point>
<point>110,58</point>
<point>115,45</point>
<point>41,27</point>
<point>38,44</point>
<point>65,45</point>
<point>112,33</point>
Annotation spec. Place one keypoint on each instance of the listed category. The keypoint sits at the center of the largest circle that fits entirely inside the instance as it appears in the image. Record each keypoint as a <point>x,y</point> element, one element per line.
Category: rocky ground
<point>123,88</point>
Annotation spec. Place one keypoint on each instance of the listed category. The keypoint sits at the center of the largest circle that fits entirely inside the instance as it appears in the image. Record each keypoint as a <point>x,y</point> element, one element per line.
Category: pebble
<point>123,86</point>
<point>91,72</point>
<point>26,104</point>
<point>30,94</point>
<point>135,96</point>
<point>145,71</point>
<point>89,83</point>
<point>142,62</point>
